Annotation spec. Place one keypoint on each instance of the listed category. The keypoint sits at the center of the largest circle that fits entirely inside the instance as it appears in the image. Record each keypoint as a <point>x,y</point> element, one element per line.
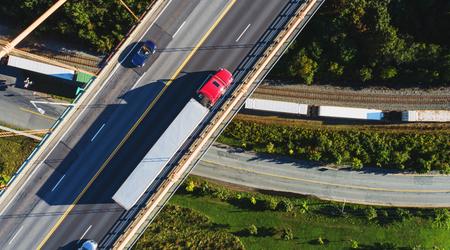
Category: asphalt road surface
<point>290,175</point>
<point>68,197</point>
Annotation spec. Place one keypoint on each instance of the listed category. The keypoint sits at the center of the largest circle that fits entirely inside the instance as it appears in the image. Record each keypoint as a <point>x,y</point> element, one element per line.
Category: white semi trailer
<point>351,113</point>
<point>160,154</point>
<point>276,106</point>
<point>171,140</point>
<point>426,116</point>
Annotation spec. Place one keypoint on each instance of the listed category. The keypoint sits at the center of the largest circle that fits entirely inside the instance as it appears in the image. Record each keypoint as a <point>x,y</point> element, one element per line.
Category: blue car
<point>144,52</point>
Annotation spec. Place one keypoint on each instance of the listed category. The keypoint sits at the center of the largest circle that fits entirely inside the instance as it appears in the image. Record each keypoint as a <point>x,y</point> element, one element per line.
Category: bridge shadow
<point>82,161</point>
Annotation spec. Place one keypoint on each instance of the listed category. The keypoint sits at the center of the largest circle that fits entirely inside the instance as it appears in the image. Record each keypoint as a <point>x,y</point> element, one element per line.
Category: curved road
<point>289,175</point>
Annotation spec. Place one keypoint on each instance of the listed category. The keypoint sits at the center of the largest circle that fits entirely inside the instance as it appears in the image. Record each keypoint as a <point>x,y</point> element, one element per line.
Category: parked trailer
<point>39,67</point>
<point>160,154</point>
<point>426,116</point>
<point>351,113</point>
<point>276,106</point>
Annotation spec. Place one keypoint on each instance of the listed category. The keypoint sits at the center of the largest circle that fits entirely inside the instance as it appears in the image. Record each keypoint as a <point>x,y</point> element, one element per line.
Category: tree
<point>356,164</point>
<point>285,206</point>
<point>336,69</point>
<point>388,73</point>
<point>269,204</point>
<point>286,234</point>
<point>354,244</point>
<point>441,218</point>
<point>270,148</point>
<point>190,186</point>
<point>303,67</point>
<point>370,213</point>
<point>320,241</point>
<point>365,74</point>
<point>252,200</point>
<point>252,230</point>
<point>304,208</point>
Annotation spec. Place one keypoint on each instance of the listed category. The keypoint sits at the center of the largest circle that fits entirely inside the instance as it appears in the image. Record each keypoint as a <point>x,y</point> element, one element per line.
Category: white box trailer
<point>351,113</point>
<point>39,67</point>
<point>276,106</point>
<point>426,116</point>
<point>160,154</point>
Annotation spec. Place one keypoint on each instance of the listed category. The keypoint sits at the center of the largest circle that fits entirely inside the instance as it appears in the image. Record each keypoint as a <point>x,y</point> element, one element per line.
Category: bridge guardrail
<point>215,122</point>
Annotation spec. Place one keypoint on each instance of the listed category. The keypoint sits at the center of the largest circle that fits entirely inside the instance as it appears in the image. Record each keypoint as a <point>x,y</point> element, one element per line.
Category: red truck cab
<point>215,87</point>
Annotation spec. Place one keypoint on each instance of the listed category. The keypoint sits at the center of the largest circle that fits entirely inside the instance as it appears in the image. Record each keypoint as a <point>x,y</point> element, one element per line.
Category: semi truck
<point>181,128</point>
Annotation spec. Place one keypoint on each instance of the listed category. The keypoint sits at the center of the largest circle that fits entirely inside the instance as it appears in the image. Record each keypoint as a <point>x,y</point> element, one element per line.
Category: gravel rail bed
<point>377,98</point>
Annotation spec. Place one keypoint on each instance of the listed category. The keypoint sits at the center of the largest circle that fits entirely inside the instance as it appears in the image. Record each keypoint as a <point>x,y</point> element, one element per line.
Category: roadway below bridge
<point>67,197</point>
<point>284,174</point>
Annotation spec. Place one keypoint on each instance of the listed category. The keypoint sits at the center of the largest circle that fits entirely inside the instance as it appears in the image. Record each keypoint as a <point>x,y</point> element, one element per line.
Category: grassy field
<point>13,151</point>
<point>335,229</point>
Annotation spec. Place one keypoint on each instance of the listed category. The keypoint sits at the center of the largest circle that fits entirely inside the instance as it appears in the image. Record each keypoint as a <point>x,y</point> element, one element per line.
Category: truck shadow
<point>79,163</point>
<point>101,161</point>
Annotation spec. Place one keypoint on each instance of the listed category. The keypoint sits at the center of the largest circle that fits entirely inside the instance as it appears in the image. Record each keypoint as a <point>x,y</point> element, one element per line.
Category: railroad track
<point>88,63</point>
<point>345,97</point>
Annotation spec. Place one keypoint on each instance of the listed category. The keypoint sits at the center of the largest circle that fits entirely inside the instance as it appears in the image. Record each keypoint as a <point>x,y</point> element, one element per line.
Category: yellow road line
<point>39,114</point>
<point>202,40</point>
<point>330,184</point>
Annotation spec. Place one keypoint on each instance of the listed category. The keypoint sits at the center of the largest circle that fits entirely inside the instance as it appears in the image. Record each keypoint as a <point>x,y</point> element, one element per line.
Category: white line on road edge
<point>54,187</point>
<point>85,232</point>
<point>18,231</point>
<point>89,102</point>
<point>246,28</point>
<point>42,111</point>
<point>179,28</point>
<point>93,138</point>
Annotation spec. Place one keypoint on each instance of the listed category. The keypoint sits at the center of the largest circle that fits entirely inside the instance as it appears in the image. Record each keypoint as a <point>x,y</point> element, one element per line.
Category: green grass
<point>230,210</point>
<point>178,227</point>
<point>13,151</point>
<point>307,227</point>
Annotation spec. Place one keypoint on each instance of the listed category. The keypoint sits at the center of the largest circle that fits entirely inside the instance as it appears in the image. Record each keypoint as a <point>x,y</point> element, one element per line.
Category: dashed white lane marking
<point>58,182</point>
<point>85,232</point>
<point>93,138</point>
<point>246,28</point>
<point>179,28</point>
<point>12,239</point>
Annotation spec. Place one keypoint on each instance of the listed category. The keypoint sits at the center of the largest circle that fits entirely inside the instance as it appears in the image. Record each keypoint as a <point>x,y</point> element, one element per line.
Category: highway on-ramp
<point>68,197</point>
<point>285,174</point>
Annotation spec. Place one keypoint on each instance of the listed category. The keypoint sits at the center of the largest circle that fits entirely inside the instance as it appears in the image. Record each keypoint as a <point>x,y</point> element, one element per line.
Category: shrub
<point>356,164</point>
<point>320,241</point>
<point>370,213</point>
<point>354,244</point>
<point>304,207</point>
<point>285,206</point>
<point>204,188</point>
<point>190,186</point>
<point>402,214</point>
<point>404,151</point>
<point>441,218</point>
<point>251,230</point>
<point>286,234</point>
<point>270,147</point>
<point>269,204</point>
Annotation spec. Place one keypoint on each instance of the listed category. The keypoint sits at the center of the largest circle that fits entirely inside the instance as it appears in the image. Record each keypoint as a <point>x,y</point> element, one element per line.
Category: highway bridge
<point>64,194</point>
